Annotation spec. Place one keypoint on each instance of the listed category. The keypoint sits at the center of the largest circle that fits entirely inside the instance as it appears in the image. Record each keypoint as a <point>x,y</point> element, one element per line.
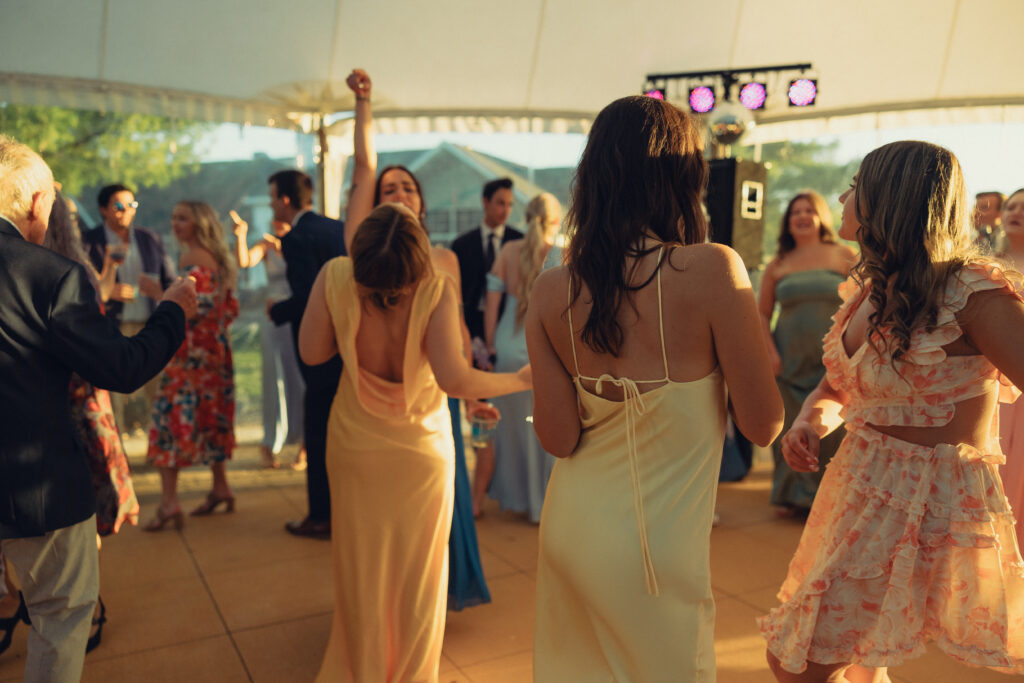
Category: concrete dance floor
<point>234,598</point>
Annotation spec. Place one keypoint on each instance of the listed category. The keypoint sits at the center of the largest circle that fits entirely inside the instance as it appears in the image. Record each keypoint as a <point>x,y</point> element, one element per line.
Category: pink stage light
<point>802,92</point>
<point>702,99</point>
<point>656,93</point>
<point>753,95</point>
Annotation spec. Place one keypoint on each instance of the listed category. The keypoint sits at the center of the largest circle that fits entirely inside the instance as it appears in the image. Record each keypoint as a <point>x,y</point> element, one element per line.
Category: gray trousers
<point>60,579</point>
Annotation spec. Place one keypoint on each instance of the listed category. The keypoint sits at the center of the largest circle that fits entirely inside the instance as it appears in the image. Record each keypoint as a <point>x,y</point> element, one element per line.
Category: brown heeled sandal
<point>162,518</point>
<point>211,503</point>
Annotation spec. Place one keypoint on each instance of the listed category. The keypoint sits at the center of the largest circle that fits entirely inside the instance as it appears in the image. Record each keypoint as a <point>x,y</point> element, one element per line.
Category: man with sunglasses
<point>143,273</point>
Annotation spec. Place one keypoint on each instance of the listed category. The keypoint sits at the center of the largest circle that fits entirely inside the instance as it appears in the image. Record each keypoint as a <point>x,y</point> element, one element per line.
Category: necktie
<point>489,255</point>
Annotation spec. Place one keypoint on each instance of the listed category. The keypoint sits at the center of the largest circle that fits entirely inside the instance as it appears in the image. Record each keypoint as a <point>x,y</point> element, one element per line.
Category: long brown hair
<point>390,254</point>
<point>826,233</point>
<point>539,213</point>
<point>63,234</point>
<point>912,209</point>
<point>210,236</point>
<point>643,172</point>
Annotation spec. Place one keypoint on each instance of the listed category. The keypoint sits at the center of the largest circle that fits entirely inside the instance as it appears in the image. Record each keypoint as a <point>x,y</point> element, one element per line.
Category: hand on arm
<point>364,170</point>
<point>818,417</point>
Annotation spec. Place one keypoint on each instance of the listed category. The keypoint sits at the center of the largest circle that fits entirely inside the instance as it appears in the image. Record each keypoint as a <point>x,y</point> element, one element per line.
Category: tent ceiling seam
<point>949,48</point>
<point>736,34</point>
<point>334,47</point>
<point>104,29</point>
<point>536,53</point>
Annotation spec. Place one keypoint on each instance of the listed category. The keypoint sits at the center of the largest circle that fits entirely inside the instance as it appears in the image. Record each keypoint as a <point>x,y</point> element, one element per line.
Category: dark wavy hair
<point>390,254</point>
<point>63,234</point>
<point>912,209</point>
<point>415,181</point>
<point>643,172</point>
<point>826,233</point>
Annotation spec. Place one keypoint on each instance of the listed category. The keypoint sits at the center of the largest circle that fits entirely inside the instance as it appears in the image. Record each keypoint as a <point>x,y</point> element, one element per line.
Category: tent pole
<point>321,164</point>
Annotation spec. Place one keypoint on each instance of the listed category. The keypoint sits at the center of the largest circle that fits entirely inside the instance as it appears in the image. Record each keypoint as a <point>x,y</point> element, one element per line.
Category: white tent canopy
<point>524,66</point>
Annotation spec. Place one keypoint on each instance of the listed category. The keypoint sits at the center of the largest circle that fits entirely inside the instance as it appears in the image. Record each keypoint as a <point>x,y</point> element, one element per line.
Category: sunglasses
<point>118,206</point>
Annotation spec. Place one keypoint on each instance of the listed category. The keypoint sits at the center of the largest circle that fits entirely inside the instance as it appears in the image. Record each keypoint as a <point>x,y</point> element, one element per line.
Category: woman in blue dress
<point>521,465</point>
<point>466,584</point>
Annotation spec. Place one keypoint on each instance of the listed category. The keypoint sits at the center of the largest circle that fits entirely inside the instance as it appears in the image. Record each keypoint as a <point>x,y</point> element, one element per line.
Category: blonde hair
<point>22,174</point>
<point>210,236</point>
<point>911,206</point>
<point>539,213</point>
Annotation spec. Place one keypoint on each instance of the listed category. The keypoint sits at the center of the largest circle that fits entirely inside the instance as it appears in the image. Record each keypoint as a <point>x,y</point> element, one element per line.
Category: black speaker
<point>735,204</point>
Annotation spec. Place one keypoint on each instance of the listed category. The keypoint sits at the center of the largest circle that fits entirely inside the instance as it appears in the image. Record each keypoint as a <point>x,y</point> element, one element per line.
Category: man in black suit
<point>313,241</point>
<point>51,325</point>
<point>476,251</point>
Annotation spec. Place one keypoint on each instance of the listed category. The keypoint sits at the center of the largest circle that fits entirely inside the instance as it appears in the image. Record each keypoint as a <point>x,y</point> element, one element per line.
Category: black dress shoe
<point>94,639</point>
<point>309,528</point>
<point>7,625</point>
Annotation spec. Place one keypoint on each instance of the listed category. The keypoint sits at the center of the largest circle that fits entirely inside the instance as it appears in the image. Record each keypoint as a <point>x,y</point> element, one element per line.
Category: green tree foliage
<point>87,148</point>
<point>796,166</point>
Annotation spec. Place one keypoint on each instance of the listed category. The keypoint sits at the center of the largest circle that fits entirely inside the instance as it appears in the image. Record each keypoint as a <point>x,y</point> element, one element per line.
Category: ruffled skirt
<point>905,544</point>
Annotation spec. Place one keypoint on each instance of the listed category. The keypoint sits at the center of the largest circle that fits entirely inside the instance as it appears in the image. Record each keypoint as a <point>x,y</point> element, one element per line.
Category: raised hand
<point>800,447</point>
<point>359,82</point>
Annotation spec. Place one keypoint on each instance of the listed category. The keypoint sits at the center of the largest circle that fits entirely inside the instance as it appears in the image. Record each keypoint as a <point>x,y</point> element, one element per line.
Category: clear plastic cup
<point>482,429</point>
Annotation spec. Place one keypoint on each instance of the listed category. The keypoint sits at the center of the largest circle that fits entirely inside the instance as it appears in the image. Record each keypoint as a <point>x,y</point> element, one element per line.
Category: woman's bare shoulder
<point>708,261</point>
<point>197,256</point>
<point>445,260</point>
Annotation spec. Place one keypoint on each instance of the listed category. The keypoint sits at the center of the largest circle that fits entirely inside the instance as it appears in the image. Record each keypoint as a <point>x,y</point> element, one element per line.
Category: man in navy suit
<point>476,251</point>
<point>142,272</point>
<point>51,325</point>
<point>313,241</point>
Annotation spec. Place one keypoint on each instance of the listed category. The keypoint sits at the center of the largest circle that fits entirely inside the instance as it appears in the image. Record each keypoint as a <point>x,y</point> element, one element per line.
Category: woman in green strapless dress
<point>803,279</point>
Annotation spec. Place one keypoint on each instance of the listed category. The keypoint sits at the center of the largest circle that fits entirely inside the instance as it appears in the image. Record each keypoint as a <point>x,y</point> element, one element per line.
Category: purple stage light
<point>656,93</point>
<point>802,92</point>
<point>753,95</point>
<point>702,99</point>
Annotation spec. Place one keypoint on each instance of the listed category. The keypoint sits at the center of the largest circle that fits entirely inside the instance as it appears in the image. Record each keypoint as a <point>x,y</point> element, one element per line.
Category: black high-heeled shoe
<point>94,639</point>
<point>7,625</point>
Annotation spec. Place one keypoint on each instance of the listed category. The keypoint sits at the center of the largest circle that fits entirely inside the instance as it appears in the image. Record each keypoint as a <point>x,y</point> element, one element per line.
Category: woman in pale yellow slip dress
<point>390,453</point>
<point>630,392</point>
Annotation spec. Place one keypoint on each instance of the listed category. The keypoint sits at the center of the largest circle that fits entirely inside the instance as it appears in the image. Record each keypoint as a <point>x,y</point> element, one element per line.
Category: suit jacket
<point>51,325</point>
<point>151,250</point>
<point>469,248</point>
<point>313,241</point>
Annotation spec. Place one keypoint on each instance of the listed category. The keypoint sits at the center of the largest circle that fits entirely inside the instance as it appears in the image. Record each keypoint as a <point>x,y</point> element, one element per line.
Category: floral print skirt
<point>905,544</point>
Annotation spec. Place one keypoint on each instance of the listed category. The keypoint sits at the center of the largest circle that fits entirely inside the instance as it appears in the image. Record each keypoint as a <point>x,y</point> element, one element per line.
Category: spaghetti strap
<point>572,333</point>
<point>661,318</point>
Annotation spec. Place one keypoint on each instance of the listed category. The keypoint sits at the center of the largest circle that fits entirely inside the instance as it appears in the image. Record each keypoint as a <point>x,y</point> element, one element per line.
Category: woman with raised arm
<point>633,344</point>
<point>390,457</point>
<point>282,381</point>
<point>803,279</point>
<point>522,466</point>
<point>467,586</point>
<point>910,538</point>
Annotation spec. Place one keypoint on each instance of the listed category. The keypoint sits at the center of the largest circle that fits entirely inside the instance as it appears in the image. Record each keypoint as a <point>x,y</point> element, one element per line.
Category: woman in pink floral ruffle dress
<point>194,413</point>
<point>910,538</point>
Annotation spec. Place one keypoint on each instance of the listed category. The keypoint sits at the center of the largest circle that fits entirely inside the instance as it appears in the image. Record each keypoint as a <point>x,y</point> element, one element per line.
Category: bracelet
<point>365,98</point>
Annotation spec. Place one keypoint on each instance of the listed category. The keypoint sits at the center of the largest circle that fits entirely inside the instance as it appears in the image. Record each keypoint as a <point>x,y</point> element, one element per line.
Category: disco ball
<point>729,122</point>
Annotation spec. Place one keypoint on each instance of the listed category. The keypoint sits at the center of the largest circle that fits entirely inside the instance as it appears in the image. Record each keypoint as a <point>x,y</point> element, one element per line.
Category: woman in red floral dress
<point>194,413</point>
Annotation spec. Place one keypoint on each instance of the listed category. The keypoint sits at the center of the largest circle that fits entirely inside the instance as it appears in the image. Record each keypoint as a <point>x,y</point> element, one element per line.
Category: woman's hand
<point>359,83</point>
<point>239,226</point>
<point>481,409</point>
<point>800,447</point>
<point>271,242</point>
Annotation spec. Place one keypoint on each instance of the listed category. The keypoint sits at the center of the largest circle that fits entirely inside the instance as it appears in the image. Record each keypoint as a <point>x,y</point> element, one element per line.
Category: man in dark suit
<point>312,242</point>
<point>142,272</point>
<point>476,251</point>
<point>51,325</point>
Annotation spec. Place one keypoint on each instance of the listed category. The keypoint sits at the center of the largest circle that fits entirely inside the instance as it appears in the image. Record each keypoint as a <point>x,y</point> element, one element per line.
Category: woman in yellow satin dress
<point>390,460</point>
<point>633,344</point>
